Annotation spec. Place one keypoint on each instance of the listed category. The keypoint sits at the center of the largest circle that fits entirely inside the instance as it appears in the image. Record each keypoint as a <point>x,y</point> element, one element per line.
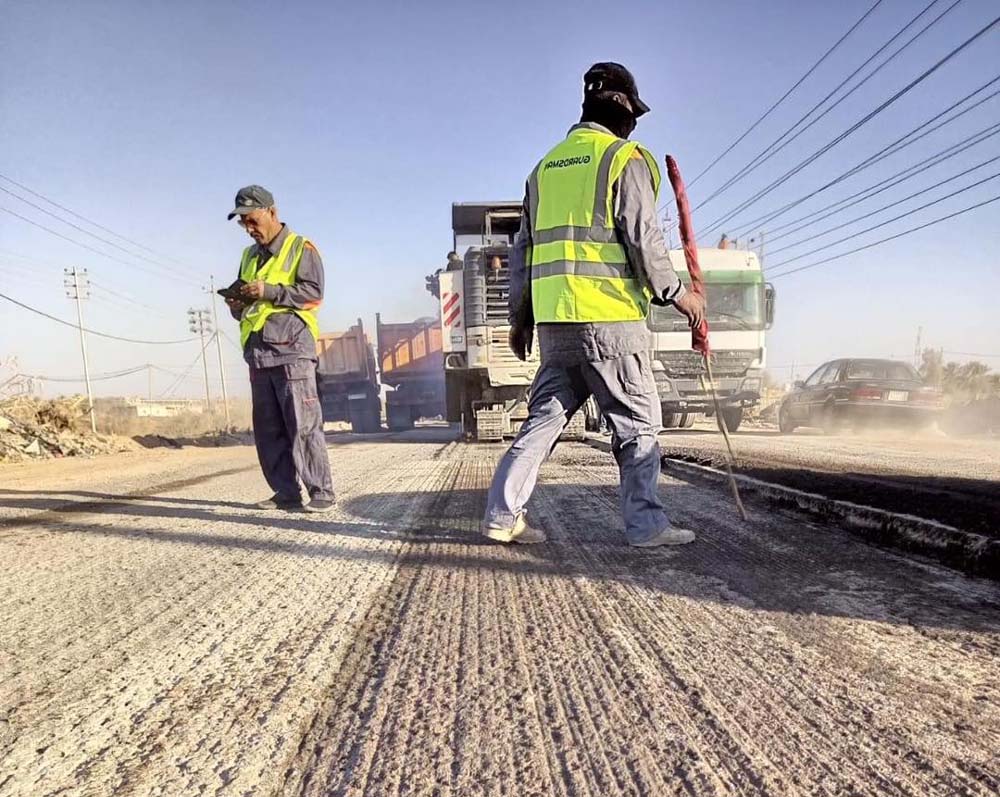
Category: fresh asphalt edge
<point>973,554</point>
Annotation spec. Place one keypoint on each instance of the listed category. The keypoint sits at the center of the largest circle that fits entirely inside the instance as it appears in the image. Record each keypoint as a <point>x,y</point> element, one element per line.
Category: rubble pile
<point>32,428</point>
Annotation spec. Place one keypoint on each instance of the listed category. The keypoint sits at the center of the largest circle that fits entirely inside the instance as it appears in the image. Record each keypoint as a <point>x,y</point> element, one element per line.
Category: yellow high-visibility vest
<point>579,270</point>
<point>279,269</point>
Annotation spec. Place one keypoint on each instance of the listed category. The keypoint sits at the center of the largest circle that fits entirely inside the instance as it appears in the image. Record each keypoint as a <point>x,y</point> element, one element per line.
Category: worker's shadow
<point>777,563</point>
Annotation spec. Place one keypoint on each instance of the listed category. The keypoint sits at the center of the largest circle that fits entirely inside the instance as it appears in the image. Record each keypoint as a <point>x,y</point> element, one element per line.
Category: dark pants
<point>288,430</point>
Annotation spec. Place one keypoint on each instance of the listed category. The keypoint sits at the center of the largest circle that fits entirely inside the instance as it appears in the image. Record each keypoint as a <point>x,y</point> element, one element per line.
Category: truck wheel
<point>733,418</point>
<point>687,420</point>
<point>785,425</point>
<point>671,420</point>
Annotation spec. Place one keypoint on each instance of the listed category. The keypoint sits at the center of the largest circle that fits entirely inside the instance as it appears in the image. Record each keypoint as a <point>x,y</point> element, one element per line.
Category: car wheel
<point>671,420</point>
<point>687,420</point>
<point>785,425</point>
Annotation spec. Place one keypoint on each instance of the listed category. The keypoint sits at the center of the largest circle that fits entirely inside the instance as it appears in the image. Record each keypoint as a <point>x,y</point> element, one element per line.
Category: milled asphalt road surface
<point>158,637</point>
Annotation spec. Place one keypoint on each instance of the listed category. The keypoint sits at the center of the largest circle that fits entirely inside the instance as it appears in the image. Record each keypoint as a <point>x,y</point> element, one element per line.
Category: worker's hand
<point>520,339</point>
<point>235,305</point>
<point>253,290</point>
<point>692,305</point>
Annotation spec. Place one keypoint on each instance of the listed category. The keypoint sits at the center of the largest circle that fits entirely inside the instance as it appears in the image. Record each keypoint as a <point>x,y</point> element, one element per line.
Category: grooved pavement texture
<point>158,637</point>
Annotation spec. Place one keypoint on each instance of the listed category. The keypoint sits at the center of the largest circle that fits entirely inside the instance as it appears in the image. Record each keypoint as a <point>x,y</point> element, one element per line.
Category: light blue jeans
<point>626,394</point>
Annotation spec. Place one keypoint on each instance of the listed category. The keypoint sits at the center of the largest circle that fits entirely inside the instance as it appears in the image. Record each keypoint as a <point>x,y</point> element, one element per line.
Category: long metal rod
<point>731,457</point>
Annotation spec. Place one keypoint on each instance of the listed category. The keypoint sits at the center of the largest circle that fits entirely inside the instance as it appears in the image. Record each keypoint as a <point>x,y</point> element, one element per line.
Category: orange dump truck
<point>411,362</point>
<point>348,379</point>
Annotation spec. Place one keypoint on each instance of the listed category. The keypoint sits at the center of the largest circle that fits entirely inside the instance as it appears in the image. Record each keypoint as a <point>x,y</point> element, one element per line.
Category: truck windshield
<point>730,306</point>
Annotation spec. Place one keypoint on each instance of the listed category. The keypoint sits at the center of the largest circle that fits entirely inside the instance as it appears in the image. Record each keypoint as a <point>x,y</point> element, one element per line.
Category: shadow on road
<point>774,564</point>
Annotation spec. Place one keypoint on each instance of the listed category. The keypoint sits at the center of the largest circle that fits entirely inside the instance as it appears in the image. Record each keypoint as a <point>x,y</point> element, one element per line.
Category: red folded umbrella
<point>699,334</point>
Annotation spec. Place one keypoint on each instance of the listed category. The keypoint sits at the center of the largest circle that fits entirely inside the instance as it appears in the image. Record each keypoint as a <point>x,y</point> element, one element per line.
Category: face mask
<point>613,115</point>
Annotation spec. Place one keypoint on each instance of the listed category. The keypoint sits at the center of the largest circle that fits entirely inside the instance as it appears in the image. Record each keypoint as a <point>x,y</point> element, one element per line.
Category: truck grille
<point>486,288</point>
<point>689,363</point>
<point>497,291</point>
<point>500,353</point>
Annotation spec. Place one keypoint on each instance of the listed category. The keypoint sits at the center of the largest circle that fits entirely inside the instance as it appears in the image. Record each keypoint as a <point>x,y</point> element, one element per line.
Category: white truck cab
<point>740,310</point>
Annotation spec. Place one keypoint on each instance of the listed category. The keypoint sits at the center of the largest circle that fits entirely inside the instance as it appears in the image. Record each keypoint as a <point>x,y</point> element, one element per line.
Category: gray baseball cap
<point>253,197</point>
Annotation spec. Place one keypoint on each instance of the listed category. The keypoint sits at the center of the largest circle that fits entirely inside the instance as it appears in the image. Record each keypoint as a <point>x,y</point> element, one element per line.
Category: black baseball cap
<point>253,197</point>
<point>609,76</point>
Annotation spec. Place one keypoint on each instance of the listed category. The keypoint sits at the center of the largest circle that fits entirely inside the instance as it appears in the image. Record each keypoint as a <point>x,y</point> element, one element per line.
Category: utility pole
<point>77,286</point>
<point>916,349</point>
<point>218,348</point>
<point>200,323</point>
<point>149,379</point>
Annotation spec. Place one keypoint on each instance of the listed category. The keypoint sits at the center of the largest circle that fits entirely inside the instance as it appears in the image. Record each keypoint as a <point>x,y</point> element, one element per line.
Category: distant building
<point>165,408</point>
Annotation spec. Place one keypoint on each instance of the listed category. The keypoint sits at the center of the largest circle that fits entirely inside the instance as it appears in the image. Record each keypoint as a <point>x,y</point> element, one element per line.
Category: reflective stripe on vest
<point>579,269</point>
<point>279,269</point>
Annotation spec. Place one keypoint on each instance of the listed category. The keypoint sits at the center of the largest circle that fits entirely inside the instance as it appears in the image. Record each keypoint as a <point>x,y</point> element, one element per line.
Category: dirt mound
<point>32,428</point>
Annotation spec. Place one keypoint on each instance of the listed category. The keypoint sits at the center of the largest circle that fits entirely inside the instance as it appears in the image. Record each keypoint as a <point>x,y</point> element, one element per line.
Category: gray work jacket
<point>285,337</point>
<point>634,202</point>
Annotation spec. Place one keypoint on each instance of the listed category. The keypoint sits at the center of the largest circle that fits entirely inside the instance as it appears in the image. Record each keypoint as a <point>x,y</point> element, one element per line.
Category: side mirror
<point>769,296</point>
<point>798,384</point>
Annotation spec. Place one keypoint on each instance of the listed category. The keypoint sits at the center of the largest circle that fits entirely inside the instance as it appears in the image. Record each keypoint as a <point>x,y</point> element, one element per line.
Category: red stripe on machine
<point>451,319</point>
<point>449,303</point>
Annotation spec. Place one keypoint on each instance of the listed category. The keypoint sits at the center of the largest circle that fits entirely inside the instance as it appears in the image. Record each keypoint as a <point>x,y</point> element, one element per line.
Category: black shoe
<point>277,502</point>
<point>319,505</point>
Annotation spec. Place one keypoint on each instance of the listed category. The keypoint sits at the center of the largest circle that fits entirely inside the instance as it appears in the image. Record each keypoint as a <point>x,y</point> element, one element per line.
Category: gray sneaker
<point>278,502</point>
<point>521,533</point>
<point>669,536</point>
<point>320,505</point>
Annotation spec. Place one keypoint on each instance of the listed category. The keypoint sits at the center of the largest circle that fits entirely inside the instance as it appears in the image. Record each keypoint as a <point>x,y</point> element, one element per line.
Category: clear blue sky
<point>367,120</point>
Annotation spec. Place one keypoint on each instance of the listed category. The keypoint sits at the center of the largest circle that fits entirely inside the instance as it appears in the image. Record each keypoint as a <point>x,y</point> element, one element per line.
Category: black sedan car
<point>860,394</point>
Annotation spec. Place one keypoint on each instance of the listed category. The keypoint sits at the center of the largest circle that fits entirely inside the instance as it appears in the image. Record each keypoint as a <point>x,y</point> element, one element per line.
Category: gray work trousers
<point>288,430</point>
<point>626,393</point>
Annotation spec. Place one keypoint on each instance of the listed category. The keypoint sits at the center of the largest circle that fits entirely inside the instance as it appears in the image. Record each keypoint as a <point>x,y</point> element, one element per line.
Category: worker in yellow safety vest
<point>587,262</point>
<point>275,299</point>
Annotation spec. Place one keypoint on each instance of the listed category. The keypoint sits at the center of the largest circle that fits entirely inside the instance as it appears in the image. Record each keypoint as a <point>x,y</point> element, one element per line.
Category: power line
<point>85,246</point>
<point>886,240</point>
<point>779,144</point>
<point>85,231</point>
<point>93,378</point>
<point>856,126</point>
<point>177,382</point>
<point>785,96</point>
<point>137,369</point>
<point>906,140</point>
<point>773,252</point>
<point>24,275</point>
<point>84,218</point>
<point>129,299</point>
<point>883,185</point>
<point>90,331</point>
<point>888,221</point>
<point>29,274</point>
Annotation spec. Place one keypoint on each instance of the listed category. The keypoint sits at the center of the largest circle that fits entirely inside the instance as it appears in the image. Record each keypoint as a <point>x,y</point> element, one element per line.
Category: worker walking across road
<point>588,259</point>
<point>281,287</point>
